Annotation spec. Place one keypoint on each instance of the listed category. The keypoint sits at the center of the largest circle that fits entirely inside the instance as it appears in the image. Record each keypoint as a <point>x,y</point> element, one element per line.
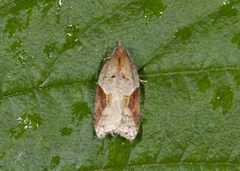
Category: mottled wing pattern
<point>117,106</point>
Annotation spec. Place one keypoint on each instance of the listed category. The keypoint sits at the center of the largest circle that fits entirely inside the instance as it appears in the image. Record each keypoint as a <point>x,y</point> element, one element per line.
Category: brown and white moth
<point>117,106</point>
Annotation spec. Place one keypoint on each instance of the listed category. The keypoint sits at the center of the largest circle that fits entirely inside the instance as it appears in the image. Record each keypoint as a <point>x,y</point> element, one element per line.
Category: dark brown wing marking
<point>100,104</point>
<point>134,105</point>
<point>121,55</point>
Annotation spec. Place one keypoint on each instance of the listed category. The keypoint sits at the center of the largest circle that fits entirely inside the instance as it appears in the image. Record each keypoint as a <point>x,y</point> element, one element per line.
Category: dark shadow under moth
<point>117,105</point>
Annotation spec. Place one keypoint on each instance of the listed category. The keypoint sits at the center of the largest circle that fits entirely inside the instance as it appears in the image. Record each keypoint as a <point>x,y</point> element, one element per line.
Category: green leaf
<point>51,53</point>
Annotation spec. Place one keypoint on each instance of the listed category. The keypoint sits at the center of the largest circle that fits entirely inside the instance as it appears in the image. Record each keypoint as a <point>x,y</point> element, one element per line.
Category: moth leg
<point>143,81</point>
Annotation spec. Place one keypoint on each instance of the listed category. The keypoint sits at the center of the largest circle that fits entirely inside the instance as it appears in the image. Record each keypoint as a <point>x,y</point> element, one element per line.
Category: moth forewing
<point>117,105</point>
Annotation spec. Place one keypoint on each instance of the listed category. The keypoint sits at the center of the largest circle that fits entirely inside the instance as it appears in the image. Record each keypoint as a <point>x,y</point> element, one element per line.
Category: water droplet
<point>49,48</point>
<point>236,39</point>
<point>152,8</point>
<point>20,55</point>
<point>54,161</point>
<point>223,97</point>
<point>71,37</point>
<point>66,131</point>
<point>60,3</point>
<point>58,18</point>
<point>22,58</point>
<point>25,122</point>
<point>203,83</point>
<point>226,10</point>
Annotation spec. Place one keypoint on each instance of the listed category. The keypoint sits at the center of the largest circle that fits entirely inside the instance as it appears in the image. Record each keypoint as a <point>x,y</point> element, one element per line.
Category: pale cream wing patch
<point>108,123</point>
<point>123,125</point>
<point>128,128</point>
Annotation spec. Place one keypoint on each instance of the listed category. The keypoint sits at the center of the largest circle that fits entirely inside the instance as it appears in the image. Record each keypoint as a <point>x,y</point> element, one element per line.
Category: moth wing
<point>131,117</point>
<point>100,103</point>
<point>103,121</point>
<point>134,106</point>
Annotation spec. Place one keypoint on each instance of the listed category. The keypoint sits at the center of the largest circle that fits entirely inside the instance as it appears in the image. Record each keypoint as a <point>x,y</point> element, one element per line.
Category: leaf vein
<point>195,71</point>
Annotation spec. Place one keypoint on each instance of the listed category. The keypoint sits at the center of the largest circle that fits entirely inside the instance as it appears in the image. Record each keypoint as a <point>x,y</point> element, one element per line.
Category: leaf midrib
<point>220,164</point>
<point>62,83</point>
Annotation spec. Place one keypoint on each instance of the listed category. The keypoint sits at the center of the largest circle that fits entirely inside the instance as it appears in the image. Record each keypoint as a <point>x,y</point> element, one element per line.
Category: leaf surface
<point>51,53</point>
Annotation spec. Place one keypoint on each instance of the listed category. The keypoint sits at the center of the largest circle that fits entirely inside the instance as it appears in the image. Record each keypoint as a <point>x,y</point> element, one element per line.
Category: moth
<point>117,105</point>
